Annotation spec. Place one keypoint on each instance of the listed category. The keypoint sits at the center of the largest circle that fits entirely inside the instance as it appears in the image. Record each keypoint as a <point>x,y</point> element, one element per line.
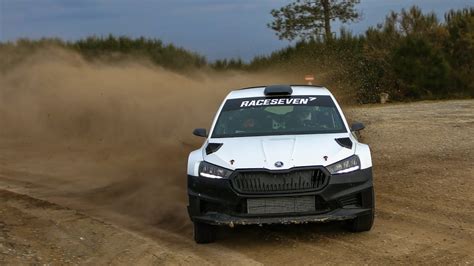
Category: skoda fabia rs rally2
<point>279,154</point>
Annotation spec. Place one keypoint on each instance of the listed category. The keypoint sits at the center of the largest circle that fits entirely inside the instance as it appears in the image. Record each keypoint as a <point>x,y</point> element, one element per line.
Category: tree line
<point>114,48</point>
<point>410,55</point>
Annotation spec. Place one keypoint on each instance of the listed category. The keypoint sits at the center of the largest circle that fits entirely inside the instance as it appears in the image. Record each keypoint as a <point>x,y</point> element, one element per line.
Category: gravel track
<point>65,204</point>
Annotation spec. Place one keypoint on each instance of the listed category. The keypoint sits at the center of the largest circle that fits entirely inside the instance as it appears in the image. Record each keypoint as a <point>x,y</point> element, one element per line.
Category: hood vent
<point>344,142</point>
<point>213,147</point>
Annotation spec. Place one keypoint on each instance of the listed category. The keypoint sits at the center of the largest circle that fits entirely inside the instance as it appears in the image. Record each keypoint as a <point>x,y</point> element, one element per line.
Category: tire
<point>204,233</point>
<point>362,223</point>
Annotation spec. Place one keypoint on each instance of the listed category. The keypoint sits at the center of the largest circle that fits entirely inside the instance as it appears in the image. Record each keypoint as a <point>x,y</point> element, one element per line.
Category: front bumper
<point>345,197</point>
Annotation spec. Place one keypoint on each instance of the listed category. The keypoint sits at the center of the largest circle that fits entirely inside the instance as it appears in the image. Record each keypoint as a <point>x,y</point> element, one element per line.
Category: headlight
<point>213,171</point>
<point>345,166</point>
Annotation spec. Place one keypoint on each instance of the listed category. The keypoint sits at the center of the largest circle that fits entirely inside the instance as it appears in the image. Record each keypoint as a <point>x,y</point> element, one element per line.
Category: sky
<point>213,28</point>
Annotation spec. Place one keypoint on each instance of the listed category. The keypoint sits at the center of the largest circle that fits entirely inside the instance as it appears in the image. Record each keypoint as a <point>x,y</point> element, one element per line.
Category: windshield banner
<point>242,103</point>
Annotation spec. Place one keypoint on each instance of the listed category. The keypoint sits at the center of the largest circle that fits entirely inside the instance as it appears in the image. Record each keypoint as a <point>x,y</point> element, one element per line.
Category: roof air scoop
<point>344,142</point>
<point>275,90</point>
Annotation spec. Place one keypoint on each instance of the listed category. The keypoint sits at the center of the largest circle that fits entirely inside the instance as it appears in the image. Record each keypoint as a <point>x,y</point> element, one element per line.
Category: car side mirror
<point>357,126</point>
<point>200,132</point>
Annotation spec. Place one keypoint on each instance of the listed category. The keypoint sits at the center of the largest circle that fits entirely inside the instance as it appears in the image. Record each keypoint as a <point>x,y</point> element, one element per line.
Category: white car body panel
<point>293,150</point>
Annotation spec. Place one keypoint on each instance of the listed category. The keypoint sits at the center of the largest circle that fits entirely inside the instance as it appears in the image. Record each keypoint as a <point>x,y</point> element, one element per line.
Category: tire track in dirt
<point>38,231</point>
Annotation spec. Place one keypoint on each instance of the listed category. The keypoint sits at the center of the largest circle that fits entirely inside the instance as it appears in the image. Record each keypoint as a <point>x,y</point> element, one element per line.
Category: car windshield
<point>264,116</point>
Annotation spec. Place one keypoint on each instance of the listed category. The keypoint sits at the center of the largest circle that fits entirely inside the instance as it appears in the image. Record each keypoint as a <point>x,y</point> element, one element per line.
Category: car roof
<point>259,91</point>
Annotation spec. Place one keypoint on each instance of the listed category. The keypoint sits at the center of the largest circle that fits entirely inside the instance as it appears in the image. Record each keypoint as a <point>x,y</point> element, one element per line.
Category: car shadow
<point>250,235</point>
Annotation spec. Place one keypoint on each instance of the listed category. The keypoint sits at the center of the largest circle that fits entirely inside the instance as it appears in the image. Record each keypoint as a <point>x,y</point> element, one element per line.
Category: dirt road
<point>87,201</point>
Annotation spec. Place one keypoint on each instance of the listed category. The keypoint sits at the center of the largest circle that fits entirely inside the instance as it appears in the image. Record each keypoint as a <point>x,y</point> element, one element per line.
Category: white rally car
<point>279,154</point>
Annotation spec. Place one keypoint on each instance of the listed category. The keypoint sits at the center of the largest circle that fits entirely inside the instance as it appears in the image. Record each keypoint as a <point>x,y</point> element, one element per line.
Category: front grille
<point>266,182</point>
<point>281,205</point>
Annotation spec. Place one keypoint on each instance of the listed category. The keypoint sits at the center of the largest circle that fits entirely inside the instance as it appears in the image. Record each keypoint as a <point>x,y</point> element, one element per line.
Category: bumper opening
<point>267,206</point>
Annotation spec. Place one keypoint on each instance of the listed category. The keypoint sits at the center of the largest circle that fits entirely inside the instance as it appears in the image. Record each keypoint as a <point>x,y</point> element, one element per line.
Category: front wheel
<point>204,233</point>
<point>362,223</point>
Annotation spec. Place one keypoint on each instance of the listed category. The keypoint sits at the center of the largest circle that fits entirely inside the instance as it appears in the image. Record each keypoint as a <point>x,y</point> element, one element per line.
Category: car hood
<point>265,152</point>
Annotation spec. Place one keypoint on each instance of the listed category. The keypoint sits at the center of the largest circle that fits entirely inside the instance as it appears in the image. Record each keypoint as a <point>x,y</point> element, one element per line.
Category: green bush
<point>421,70</point>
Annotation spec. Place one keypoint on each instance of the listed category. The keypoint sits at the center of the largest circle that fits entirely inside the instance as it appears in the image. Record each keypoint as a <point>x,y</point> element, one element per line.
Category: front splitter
<point>225,219</point>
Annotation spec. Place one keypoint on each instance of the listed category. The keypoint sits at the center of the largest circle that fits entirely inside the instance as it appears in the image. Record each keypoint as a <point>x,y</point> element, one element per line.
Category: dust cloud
<point>116,135</point>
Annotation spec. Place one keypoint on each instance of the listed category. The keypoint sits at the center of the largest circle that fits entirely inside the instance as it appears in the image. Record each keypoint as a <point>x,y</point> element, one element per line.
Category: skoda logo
<point>278,164</point>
